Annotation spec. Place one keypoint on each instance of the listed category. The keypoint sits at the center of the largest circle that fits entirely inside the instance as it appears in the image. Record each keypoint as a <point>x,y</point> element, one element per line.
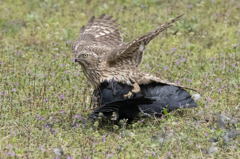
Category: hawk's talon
<point>128,95</point>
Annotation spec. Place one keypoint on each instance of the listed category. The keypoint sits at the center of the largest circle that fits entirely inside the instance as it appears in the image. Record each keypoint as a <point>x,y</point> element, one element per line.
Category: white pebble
<point>197,97</point>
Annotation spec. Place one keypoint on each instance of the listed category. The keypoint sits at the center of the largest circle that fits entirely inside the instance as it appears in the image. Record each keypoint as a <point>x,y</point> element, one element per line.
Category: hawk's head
<point>87,59</point>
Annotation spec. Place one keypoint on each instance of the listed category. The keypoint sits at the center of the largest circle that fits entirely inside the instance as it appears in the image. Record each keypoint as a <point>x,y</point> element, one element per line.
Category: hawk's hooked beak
<point>79,61</point>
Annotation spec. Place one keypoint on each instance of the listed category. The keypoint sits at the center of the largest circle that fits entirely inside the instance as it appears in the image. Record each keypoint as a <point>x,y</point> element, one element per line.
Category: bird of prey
<point>103,55</point>
<point>111,66</point>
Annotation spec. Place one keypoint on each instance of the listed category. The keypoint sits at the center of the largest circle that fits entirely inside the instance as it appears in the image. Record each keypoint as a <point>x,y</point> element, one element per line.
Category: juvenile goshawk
<point>103,55</point>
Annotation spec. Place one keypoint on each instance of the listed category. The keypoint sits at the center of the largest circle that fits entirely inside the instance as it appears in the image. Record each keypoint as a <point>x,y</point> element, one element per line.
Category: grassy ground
<point>44,96</point>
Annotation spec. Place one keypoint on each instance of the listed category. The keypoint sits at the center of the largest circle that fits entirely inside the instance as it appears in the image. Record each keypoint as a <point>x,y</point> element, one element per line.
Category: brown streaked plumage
<point>103,55</point>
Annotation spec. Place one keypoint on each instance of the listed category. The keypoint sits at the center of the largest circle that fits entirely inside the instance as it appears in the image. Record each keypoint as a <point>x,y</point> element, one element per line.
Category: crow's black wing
<point>126,108</point>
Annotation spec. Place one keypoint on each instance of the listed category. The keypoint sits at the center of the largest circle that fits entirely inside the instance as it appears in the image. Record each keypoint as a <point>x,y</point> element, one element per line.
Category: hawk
<point>111,66</point>
<point>103,55</point>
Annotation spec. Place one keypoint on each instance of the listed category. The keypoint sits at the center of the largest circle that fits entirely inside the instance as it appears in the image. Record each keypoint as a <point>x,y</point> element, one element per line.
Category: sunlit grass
<point>44,96</point>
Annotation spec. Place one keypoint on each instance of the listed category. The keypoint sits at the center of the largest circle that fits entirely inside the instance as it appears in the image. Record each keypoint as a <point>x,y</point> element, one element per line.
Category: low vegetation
<point>45,98</point>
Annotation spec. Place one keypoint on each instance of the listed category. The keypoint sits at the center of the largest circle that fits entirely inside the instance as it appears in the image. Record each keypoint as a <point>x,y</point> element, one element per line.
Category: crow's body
<point>151,100</point>
<point>124,109</point>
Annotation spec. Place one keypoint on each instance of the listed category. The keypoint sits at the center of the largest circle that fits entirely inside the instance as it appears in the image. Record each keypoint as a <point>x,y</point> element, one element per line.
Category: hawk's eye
<point>85,55</point>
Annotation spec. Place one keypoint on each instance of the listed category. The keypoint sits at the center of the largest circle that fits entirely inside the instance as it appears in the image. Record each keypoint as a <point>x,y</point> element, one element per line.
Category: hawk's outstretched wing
<point>99,36</point>
<point>135,48</point>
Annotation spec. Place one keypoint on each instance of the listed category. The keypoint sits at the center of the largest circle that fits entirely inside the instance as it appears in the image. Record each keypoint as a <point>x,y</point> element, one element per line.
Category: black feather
<point>162,96</point>
<point>166,97</point>
<point>126,108</point>
<point>113,91</point>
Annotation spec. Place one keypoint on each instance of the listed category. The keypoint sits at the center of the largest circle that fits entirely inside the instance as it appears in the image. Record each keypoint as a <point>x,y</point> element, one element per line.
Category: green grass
<point>42,91</point>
